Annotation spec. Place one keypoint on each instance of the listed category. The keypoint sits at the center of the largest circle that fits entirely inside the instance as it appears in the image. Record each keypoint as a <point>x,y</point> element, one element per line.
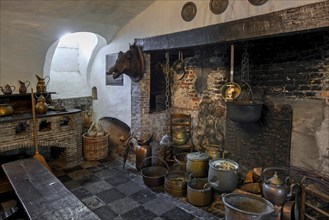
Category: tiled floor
<point>116,193</point>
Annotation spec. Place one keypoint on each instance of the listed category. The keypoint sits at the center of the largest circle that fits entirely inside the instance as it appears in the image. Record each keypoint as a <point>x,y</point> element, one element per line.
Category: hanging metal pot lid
<point>218,6</point>
<point>188,11</point>
<point>257,2</point>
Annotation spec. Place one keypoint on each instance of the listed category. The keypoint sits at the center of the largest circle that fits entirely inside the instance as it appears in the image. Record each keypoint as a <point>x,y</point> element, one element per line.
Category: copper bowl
<point>6,109</point>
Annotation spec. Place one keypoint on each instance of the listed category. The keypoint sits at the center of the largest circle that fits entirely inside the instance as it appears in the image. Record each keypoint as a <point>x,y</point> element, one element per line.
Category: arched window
<point>69,65</point>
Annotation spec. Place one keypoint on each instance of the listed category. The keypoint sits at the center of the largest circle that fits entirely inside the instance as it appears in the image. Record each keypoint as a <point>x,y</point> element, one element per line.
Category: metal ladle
<point>231,90</point>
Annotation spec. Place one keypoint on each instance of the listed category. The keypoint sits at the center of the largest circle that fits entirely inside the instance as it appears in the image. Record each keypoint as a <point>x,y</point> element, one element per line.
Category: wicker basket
<point>95,148</point>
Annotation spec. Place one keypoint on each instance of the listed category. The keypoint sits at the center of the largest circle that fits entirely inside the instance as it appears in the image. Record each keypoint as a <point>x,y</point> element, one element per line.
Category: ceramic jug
<point>7,90</point>
<point>42,84</point>
<point>23,86</point>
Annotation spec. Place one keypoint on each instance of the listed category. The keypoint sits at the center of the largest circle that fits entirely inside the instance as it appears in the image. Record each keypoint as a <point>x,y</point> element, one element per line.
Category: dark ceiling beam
<point>305,18</point>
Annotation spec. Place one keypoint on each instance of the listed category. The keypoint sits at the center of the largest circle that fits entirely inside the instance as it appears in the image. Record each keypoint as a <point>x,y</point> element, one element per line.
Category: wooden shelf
<point>22,103</point>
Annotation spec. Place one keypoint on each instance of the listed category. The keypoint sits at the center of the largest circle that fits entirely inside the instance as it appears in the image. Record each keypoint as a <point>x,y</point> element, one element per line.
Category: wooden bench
<point>41,194</point>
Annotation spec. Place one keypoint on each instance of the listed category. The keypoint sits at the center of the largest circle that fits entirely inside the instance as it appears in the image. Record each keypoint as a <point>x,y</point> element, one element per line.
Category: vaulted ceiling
<point>49,19</point>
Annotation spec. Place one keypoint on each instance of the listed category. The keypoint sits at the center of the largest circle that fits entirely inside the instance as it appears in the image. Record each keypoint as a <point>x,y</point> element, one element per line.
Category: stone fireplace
<point>55,131</point>
<point>289,71</point>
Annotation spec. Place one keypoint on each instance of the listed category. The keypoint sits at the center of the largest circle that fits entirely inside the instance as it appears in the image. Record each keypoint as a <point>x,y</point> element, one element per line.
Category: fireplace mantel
<point>310,17</point>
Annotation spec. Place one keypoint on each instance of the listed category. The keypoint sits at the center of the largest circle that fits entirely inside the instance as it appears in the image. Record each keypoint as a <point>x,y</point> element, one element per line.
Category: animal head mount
<point>130,63</point>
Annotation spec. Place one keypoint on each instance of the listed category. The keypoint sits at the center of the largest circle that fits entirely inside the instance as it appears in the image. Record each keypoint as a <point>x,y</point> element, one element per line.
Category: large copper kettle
<point>7,90</point>
<point>42,84</point>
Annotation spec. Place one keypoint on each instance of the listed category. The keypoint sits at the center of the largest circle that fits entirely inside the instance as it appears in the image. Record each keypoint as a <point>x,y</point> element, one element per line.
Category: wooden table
<point>42,195</point>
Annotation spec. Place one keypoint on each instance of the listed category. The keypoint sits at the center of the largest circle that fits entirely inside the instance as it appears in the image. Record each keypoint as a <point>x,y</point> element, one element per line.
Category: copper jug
<point>41,107</point>
<point>8,89</point>
<point>42,84</point>
<point>23,87</point>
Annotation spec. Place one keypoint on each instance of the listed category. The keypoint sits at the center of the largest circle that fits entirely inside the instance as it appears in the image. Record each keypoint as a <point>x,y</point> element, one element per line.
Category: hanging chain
<point>167,72</point>
<point>245,65</point>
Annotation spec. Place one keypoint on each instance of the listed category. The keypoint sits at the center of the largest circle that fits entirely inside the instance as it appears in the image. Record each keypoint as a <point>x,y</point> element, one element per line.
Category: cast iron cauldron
<point>243,111</point>
<point>154,175</point>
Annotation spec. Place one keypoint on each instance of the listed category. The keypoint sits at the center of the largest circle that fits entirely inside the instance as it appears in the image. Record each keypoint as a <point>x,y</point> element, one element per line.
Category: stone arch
<point>80,80</point>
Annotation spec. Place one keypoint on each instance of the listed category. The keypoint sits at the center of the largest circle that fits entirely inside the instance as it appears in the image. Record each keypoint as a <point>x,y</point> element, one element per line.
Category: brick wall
<point>292,69</point>
<point>295,66</point>
<point>63,131</point>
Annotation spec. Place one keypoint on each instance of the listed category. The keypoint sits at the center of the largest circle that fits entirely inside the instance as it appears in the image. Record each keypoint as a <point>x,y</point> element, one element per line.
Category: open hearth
<point>54,130</point>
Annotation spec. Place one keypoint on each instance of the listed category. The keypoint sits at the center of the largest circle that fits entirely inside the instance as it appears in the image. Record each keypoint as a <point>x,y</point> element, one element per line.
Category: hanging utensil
<point>179,65</point>
<point>166,140</point>
<point>231,90</point>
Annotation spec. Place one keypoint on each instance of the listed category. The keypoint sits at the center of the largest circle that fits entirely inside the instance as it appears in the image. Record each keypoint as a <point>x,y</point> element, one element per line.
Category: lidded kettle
<point>42,84</point>
<point>275,190</point>
<point>7,90</point>
<point>41,107</point>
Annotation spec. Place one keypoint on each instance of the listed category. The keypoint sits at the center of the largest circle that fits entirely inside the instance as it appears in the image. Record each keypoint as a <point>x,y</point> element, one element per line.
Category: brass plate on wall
<point>218,6</point>
<point>188,11</point>
<point>257,2</point>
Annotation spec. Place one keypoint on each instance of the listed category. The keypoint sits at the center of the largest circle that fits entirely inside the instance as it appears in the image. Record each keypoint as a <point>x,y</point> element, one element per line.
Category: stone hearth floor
<point>116,193</point>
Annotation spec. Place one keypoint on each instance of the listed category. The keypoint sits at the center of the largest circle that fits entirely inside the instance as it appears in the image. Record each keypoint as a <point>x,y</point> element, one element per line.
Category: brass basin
<point>6,109</point>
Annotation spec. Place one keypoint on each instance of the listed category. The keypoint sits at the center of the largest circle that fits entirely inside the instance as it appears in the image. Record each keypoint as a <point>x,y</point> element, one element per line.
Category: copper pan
<point>287,211</point>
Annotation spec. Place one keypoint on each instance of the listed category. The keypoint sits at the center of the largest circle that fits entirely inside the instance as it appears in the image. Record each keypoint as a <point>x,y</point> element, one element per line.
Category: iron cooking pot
<point>176,183</point>
<point>199,192</point>
<point>223,174</point>
<point>243,111</point>
<point>154,175</point>
<point>197,164</point>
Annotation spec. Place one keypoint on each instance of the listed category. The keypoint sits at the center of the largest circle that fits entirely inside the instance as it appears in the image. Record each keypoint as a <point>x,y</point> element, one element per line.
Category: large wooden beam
<point>305,18</point>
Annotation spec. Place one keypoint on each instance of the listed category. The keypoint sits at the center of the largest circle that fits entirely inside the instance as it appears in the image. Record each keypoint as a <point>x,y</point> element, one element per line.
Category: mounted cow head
<point>130,63</point>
